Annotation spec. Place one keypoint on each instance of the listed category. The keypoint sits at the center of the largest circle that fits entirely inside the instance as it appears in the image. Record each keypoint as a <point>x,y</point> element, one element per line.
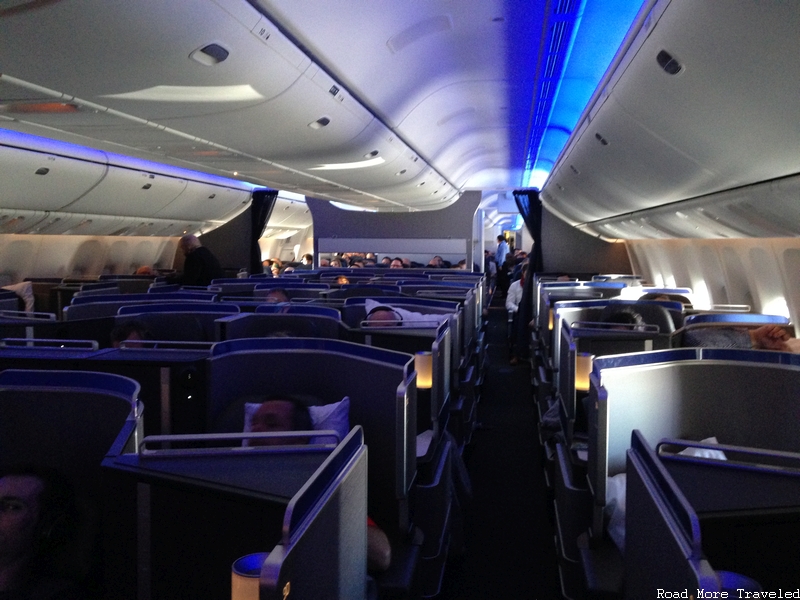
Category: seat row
<point>613,396</point>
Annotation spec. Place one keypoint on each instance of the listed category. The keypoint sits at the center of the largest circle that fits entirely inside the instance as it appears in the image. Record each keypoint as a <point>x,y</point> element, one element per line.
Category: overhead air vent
<point>372,154</point>
<point>210,55</point>
<point>42,171</point>
<point>601,139</point>
<point>667,62</point>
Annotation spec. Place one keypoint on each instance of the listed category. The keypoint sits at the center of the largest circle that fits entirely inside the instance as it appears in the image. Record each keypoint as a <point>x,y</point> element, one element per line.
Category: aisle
<point>510,552</point>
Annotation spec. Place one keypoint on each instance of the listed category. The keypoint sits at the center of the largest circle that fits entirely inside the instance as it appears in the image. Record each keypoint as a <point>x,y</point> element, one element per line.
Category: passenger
<point>501,252</point>
<point>38,521</point>
<point>386,315</point>
<point>291,415</point>
<point>276,296</point>
<point>383,316</point>
<point>336,263</point>
<point>275,269</point>
<point>200,265</point>
<point>324,262</point>
<point>667,297</point>
<point>513,298</point>
<point>625,318</point>
<point>306,262</point>
<point>504,276</point>
<point>766,337</point>
<point>130,332</point>
<point>407,263</point>
<point>144,270</point>
<point>396,263</point>
<point>386,261</point>
<point>280,415</point>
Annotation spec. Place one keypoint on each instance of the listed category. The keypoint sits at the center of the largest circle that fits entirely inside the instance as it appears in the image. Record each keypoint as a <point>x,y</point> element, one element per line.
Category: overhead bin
<point>204,202</point>
<point>43,181</point>
<point>129,192</point>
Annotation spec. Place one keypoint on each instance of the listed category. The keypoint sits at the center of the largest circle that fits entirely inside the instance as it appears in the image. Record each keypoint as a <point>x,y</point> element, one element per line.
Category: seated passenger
<point>38,520</point>
<point>387,315</point>
<point>396,263</point>
<point>667,297</point>
<point>766,337</point>
<point>131,332</point>
<point>292,415</point>
<point>383,316</point>
<point>280,415</point>
<point>625,318</point>
<point>276,296</point>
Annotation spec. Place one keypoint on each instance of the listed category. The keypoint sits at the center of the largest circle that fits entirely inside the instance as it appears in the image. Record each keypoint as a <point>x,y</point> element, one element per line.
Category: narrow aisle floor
<point>510,552</point>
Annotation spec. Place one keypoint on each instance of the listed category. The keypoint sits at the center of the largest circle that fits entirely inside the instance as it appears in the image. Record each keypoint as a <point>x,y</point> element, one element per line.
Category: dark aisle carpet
<point>510,552</point>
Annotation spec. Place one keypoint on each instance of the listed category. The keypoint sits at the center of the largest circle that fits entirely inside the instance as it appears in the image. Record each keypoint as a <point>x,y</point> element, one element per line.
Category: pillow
<point>335,416</point>
<point>705,452</point>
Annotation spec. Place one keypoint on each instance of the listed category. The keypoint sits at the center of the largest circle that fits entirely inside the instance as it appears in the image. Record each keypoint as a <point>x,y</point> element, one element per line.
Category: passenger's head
<point>396,263</point>
<point>280,415</point>
<point>500,238</point>
<point>667,297</point>
<point>335,262</point>
<point>276,269</point>
<point>324,262</point>
<point>130,332</point>
<point>307,259</point>
<point>386,260</point>
<point>276,295</point>
<point>625,318</point>
<point>383,316</point>
<point>38,514</point>
<point>188,243</point>
<point>145,270</point>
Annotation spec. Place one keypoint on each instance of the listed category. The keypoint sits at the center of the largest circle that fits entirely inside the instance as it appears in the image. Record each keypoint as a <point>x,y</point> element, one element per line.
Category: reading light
<point>550,320</point>
<point>319,123</point>
<point>583,368</point>
<point>667,62</point>
<point>423,365</point>
<point>245,574</point>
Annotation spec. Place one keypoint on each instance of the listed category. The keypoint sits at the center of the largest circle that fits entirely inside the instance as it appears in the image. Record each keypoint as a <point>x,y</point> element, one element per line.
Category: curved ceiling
<point>439,95</point>
<point>399,106</point>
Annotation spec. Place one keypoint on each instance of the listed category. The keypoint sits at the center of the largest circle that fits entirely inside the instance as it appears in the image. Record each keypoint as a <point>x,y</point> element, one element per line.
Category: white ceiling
<point>423,84</point>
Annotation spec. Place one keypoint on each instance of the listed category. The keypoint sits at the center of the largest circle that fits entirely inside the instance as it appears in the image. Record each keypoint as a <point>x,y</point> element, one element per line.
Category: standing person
<point>200,265</point>
<point>500,253</point>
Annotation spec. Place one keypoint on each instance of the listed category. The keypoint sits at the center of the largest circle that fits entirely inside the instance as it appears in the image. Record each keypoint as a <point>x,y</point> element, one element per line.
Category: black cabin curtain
<point>530,207</point>
<point>260,210</point>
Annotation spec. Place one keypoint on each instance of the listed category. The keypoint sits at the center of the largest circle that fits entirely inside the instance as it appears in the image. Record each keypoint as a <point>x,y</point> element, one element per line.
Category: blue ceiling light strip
<point>562,24</point>
<point>582,38</point>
